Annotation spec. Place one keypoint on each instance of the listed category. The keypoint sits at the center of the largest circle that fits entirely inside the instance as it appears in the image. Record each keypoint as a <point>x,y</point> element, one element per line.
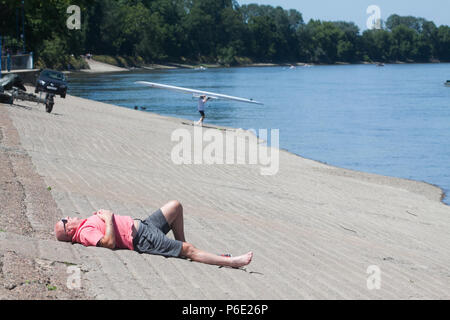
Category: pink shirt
<point>92,230</point>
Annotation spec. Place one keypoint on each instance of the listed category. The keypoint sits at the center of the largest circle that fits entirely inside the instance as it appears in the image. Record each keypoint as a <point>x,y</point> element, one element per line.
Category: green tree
<point>325,38</point>
<point>47,33</point>
<point>273,32</point>
<point>235,35</point>
<point>443,43</point>
<point>168,16</point>
<point>212,30</point>
<point>348,48</point>
<point>404,43</point>
<point>377,44</point>
<point>8,17</point>
<point>411,22</point>
<point>203,26</point>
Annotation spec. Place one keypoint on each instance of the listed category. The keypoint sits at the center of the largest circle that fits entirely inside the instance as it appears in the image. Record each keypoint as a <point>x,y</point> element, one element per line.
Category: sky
<point>355,11</point>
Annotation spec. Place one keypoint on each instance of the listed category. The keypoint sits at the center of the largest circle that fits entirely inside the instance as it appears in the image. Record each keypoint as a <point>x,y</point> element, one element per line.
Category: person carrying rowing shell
<point>201,108</point>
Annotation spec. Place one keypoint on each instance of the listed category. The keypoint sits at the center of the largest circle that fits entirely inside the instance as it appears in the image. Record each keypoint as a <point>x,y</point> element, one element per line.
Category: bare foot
<point>240,261</point>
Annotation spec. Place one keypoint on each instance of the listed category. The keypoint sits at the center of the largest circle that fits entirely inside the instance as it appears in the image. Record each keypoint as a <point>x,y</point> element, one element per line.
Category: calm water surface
<point>392,120</point>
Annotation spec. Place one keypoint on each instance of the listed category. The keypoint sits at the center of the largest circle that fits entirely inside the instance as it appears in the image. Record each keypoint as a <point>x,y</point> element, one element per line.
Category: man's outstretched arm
<point>109,239</point>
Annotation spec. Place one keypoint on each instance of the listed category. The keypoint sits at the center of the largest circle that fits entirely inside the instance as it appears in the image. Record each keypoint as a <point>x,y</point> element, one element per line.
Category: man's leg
<point>191,252</point>
<point>200,122</point>
<point>173,212</point>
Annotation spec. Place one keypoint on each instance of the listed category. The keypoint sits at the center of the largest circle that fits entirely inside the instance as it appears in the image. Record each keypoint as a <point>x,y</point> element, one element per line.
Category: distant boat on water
<point>447,83</point>
<point>380,64</point>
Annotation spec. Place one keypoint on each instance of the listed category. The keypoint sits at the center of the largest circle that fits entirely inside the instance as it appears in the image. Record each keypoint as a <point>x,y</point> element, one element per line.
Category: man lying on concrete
<point>105,229</point>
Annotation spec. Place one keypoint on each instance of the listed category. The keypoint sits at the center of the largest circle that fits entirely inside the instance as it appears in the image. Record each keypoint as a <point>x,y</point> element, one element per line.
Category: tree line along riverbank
<point>141,32</point>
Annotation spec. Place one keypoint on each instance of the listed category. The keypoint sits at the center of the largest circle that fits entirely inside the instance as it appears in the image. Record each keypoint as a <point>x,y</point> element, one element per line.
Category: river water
<point>392,120</point>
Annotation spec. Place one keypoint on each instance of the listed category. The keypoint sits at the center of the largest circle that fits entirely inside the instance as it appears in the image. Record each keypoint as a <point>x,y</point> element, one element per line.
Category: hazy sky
<point>437,11</point>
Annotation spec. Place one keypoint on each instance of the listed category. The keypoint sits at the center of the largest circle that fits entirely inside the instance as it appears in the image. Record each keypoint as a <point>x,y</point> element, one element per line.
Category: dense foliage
<point>219,31</point>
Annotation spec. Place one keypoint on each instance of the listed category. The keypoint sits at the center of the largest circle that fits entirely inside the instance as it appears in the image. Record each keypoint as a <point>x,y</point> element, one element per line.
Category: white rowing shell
<point>196,93</point>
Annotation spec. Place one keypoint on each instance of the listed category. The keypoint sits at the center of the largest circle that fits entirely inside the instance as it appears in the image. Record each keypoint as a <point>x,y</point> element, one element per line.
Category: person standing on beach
<point>105,229</point>
<point>201,108</point>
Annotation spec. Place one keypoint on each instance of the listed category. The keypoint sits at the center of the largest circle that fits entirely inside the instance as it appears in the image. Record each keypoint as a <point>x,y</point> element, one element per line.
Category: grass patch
<point>51,288</point>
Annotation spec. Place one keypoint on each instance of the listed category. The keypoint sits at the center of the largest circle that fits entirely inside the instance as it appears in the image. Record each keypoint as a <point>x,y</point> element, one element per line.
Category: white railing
<point>17,62</point>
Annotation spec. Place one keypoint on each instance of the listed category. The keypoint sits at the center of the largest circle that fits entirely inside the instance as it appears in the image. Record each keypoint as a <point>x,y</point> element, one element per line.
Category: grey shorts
<point>151,237</point>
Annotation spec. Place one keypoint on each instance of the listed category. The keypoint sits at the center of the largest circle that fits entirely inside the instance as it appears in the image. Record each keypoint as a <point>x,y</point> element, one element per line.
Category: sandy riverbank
<point>315,230</point>
<point>101,67</point>
<point>96,66</point>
